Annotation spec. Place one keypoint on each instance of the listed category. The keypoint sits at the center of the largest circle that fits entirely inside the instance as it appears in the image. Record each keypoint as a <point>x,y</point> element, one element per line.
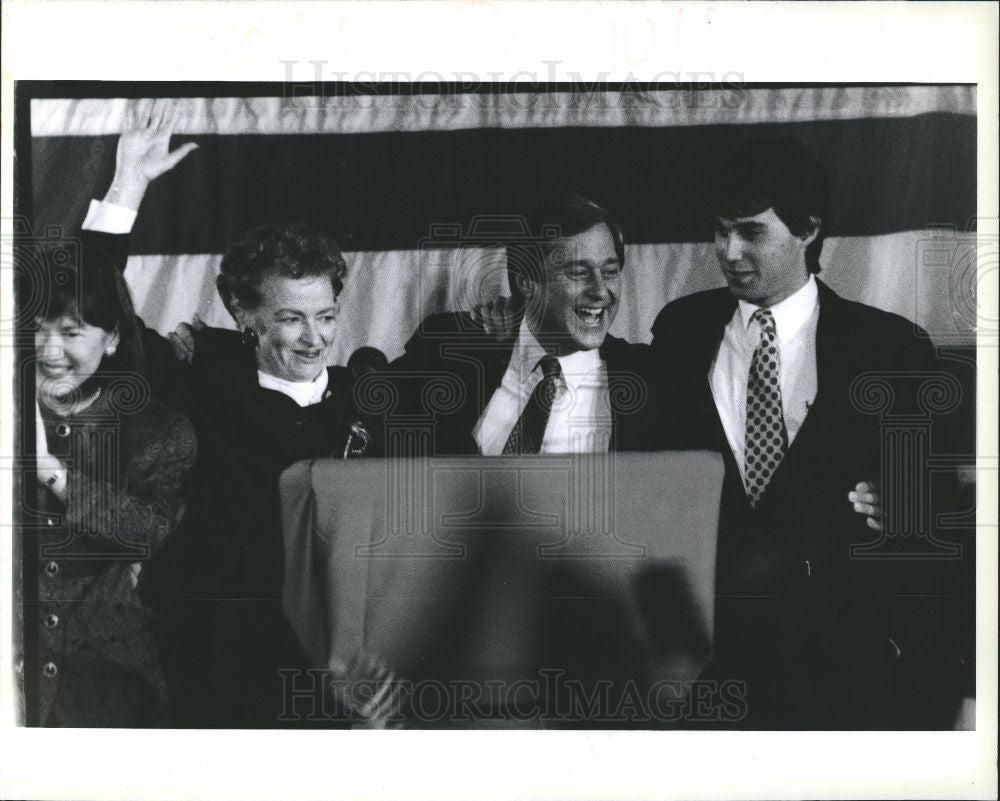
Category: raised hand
<point>144,150</point>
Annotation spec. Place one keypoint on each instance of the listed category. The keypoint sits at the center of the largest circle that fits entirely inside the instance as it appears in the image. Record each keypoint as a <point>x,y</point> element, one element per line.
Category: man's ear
<point>810,236</point>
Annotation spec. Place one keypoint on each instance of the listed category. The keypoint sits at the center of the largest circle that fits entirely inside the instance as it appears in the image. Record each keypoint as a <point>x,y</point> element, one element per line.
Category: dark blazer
<point>128,457</point>
<point>216,588</point>
<point>823,639</point>
<point>451,368</point>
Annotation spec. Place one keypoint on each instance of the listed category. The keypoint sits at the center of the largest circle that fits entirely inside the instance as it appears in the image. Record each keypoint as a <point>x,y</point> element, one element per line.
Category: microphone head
<point>367,359</point>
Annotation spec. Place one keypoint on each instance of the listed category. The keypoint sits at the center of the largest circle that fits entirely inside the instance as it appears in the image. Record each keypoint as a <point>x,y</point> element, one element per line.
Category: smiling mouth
<point>592,316</point>
<point>54,370</point>
<point>309,355</point>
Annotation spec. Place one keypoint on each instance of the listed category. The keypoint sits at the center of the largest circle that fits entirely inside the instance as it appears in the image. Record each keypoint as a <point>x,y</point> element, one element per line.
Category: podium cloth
<point>548,590</point>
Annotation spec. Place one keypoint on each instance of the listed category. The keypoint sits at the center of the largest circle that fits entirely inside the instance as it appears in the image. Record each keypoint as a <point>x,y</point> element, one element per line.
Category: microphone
<point>366,360</point>
<point>363,362</point>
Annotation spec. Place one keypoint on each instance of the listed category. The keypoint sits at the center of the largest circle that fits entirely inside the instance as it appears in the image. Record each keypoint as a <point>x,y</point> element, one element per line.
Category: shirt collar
<point>527,352</point>
<point>791,314</point>
<point>304,393</point>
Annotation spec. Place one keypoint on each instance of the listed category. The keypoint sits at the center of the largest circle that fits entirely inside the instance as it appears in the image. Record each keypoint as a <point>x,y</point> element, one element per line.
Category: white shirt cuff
<point>109,218</point>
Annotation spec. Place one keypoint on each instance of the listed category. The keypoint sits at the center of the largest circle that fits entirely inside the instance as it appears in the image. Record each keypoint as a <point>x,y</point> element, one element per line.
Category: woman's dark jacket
<point>217,587</point>
<point>127,457</point>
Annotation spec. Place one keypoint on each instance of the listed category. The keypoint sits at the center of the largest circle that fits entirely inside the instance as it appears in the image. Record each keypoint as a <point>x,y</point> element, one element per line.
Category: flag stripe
<point>926,276</point>
<point>366,113</point>
<point>391,191</point>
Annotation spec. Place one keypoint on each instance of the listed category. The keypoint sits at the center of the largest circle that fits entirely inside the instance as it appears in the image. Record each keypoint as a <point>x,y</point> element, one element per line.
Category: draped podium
<point>531,591</point>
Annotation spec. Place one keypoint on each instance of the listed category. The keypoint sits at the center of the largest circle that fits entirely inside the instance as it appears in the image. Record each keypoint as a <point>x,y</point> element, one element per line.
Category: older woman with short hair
<point>261,398</point>
<point>259,406</point>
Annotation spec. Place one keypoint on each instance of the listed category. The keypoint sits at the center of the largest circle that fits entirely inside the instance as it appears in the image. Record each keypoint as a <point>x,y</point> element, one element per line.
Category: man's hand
<point>182,338</point>
<point>867,500</point>
<point>499,317</point>
<point>144,150</point>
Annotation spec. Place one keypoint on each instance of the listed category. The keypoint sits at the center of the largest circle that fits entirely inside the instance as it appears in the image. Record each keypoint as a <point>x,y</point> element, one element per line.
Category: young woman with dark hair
<point>111,462</point>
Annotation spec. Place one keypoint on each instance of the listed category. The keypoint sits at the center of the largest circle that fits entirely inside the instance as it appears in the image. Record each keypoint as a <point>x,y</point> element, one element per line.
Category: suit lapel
<point>830,347</point>
<point>481,360</point>
<point>496,365</point>
<point>495,358</point>
<point>709,341</point>
<point>622,375</point>
<point>715,326</point>
<point>829,360</point>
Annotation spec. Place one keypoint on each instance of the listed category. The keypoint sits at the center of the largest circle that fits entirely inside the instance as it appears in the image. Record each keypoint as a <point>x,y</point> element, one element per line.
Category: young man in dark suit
<point>559,383</point>
<point>773,371</point>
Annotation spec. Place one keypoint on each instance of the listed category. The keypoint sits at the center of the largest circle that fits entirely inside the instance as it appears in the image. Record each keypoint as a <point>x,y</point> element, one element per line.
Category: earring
<point>250,338</point>
<point>109,351</point>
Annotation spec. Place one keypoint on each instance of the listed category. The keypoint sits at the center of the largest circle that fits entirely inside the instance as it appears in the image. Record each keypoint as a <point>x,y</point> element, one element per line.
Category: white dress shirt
<point>795,320</point>
<point>580,421</point>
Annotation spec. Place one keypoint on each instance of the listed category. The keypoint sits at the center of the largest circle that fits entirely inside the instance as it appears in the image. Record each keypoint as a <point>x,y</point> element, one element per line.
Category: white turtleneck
<point>304,393</point>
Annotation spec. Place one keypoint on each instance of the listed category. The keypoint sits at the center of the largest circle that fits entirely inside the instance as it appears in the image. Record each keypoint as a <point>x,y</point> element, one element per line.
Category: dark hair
<point>292,251</point>
<point>90,289</point>
<point>776,174</point>
<point>551,217</point>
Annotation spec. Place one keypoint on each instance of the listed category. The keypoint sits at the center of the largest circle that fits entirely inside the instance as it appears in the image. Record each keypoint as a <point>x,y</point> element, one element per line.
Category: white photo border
<point>514,41</point>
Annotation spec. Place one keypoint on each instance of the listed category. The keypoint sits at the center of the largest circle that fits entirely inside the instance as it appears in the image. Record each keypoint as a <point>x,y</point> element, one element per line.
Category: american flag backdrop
<point>411,181</point>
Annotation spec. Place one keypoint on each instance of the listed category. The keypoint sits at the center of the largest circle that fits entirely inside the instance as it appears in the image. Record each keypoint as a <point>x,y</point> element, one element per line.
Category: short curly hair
<point>292,251</point>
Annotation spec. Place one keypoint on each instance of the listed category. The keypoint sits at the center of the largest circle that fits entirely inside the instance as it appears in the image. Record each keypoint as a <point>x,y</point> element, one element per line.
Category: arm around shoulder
<point>144,504</point>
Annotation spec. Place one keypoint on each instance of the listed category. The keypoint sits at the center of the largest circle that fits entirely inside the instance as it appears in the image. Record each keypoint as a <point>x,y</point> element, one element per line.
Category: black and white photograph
<point>478,406</point>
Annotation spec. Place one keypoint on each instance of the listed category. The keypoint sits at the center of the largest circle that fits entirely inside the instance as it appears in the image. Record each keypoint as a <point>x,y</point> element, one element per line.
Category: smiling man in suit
<point>763,372</point>
<point>560,383</point>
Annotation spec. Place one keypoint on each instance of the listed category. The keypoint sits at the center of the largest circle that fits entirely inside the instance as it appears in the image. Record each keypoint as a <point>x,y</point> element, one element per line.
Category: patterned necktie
<point>766,438</point>
<point>529,430</point>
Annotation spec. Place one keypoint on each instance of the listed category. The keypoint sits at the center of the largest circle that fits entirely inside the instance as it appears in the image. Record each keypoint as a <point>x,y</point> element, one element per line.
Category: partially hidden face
<point>295,323</point>
<point>577,300</point>
<point>68,352</point>
<point>762,260</point>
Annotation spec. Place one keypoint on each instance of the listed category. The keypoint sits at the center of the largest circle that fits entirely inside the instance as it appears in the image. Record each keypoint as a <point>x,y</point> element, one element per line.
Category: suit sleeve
<point>674,384</point>
<point>169,377</point>
<point>416,351</point>
<point>110,247</point>
<point>935,629</point>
